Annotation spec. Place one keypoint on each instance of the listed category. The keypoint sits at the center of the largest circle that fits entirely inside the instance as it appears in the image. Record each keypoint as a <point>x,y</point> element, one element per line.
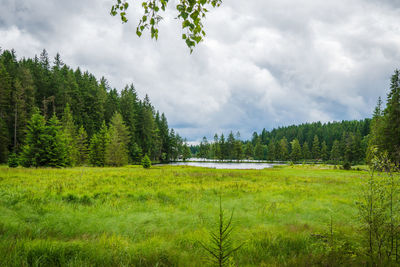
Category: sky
<point>263,64</point>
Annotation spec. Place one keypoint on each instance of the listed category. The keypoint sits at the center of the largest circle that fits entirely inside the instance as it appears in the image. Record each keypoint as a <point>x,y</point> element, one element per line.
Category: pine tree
<point>33,152</point>
<point>117,148</point>
<point>238,150</point>
<point>98,145</point>
<point>5,112</point>
<point>350,148</point>
<point>271,151</point>
<point>296,150</point>
<point>163,133</point>
<point>13,160</point>
<point>306,151</point>
<point>324,151</point>
<point>204,148</point>
<point>284,149</point>
<point>316,151</point>
<point>44,144</point>
<point>391,129</point>
<point>217,148</point>
<point>230,146</point>
<point>249,150</point>
<point>55,144</point>
<point>376,138</point>
<point>71,138</point>
<point>146,162</point>
<point>222,146</point>
<point>258,150</point>
<point>23,104</point>
<point>129,112</point>
<point>82,146</point>
<point>4,141</point>
<point>186,152</point>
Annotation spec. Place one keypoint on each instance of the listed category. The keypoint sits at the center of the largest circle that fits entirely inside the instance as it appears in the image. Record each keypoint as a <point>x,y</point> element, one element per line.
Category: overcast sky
<point>263,64</point>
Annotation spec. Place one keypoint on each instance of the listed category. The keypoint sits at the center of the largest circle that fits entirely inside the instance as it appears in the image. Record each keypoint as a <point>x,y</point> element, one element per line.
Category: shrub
<point>347,166</point>
<point>146,162</point>
<point>13,161</point>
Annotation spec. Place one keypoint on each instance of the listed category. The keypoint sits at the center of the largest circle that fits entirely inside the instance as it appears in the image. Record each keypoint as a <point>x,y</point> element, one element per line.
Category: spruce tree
<point>44,144</point>
<point>335,152</point>
<point>295,155</point>
<point>316,151</point>
<point>23,104</point>
<point>391,129</point>
<point>55,144</point>
<point>376,137</point>
<point>222,146</point>
<point>186,152</point>
<point>306,151</point>
<point>82,146</point>
<point>271,151</point>
<point>350,148</point>
<point>258,150</point>
<point>238,150</point>
<point>324,151</point>
<point>33,152</point>
<point>146,162</point>
<point>284,149</point>
<point>230,146</point>
<point>4,141</point>
<point>249,150</point>
<point>13,160</point>
<point>117,148</point>
<point>5,112</point>
<point>98,145</point>
<point>217,148</point>
<point>71,138</point>
<point>129,109</point>
<point>204,148</point>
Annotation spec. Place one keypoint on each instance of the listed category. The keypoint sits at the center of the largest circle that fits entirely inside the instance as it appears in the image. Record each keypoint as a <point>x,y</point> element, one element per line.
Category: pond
<point>227,165</point>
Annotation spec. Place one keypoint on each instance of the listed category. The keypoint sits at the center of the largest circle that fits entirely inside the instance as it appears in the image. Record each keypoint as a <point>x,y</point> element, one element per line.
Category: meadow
<point>130,216</point>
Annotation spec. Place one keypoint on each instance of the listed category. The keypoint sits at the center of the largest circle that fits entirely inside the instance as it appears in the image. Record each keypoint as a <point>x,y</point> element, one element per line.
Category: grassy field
<point>156,217</point>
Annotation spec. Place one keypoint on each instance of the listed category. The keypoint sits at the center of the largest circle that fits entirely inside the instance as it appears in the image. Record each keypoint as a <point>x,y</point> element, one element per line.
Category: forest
<point>52,115</point>
<point>334,142</point>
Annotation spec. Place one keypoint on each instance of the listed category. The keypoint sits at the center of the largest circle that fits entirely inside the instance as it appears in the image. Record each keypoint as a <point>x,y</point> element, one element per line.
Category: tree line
<point>333,141</point>
<point>53,115</point>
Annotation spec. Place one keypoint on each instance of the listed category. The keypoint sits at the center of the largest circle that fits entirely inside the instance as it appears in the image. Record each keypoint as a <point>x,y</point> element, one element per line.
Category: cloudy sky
<point>264,63</point>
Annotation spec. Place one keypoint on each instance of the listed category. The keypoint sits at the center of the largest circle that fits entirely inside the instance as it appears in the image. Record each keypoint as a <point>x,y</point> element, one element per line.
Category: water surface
<point>226,165</point>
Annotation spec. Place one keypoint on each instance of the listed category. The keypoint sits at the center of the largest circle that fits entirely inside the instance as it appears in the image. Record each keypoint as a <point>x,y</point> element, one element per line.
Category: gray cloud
<point>263,64</point>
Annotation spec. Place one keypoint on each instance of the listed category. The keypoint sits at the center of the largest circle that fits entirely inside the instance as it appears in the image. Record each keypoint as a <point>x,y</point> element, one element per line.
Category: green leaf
<point>184,15</point>
<point>185,24</point>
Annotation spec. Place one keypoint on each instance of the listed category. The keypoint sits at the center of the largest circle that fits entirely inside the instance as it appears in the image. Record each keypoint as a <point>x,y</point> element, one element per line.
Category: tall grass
<point>154,217</point>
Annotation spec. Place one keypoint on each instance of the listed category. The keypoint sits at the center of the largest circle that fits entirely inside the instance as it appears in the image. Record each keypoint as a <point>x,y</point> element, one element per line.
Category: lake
<point>227,165</point>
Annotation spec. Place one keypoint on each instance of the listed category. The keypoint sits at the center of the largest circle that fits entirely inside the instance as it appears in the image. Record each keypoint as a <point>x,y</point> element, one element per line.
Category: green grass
<point>155,217</point>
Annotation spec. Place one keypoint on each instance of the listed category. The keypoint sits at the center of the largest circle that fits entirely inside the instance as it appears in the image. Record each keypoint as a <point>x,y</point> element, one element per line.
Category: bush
<point>146,162</point>
<point>13,161</point>
<point>347,166</point>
